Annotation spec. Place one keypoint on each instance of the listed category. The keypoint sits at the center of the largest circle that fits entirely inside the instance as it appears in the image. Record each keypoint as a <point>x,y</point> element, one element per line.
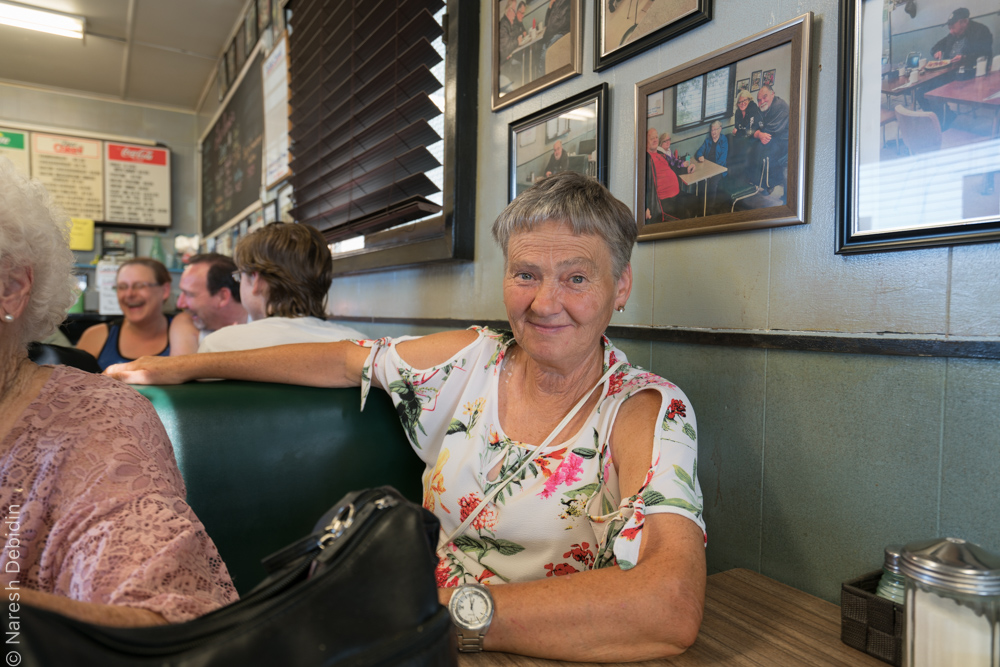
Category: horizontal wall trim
<point>889,343</point>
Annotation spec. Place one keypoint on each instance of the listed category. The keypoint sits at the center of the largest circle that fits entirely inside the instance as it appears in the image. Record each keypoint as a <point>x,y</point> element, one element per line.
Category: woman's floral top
<point>563,513</point>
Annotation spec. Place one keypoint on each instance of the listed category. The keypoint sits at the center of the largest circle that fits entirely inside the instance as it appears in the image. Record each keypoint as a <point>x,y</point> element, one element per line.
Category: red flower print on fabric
<point>675,408</point>
<point>487,518</point>
<point>559,570</point>
<point>581,553</point>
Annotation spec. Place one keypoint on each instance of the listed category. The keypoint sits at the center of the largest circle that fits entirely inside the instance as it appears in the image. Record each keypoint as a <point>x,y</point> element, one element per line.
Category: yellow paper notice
<point>81,236</point>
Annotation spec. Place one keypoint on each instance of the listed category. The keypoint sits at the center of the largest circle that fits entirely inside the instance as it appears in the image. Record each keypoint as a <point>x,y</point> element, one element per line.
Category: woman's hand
<point>153,370</point>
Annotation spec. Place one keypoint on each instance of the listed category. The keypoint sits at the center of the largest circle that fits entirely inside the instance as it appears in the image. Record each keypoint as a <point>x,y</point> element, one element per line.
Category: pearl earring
<point>8,318</point>
<point>620,309</point>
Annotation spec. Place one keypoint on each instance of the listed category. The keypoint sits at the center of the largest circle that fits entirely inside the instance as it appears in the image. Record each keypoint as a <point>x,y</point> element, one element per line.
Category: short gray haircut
<point>579,201</point>
<point>717,124</point>
<point>34,233</point>
<point>744,93</point>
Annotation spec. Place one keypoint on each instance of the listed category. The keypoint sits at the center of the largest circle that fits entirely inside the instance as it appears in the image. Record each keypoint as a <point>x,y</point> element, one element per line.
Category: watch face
<point>472,607</point>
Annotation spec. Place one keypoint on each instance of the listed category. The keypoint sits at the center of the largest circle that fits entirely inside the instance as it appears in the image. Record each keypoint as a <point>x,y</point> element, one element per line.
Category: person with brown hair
<point>284,272</point>
<point>143,287</point>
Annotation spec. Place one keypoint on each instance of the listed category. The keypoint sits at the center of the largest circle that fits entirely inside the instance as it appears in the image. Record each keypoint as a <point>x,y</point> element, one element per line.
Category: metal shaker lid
<point>953,564</point>
<point>892,557</point>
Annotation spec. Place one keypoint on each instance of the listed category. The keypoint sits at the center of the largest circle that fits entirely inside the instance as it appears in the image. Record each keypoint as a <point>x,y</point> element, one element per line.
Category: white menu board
<point>136,184</point>
<point>14,147</point>
<point>71,169</point>
<point>275,73</point>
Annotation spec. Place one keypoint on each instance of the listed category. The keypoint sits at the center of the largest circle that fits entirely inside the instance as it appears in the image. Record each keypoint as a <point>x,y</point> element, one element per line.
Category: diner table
<point>750,620</point>
<point>702,172</point>
<point>528,55</point>
<point>925,80</point>
<point>981,91</point>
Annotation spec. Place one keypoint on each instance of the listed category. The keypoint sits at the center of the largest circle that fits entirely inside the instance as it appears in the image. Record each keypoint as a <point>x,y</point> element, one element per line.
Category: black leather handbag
<point>359,591</point>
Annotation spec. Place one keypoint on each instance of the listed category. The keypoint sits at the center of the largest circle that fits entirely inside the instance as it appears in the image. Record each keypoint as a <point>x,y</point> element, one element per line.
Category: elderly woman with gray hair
<point>565,479</point>
<point>91,500</point>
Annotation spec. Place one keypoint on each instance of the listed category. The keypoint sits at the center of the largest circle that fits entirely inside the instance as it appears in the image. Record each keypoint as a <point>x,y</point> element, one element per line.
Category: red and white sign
<point>137,184</point>
<point>72,171</point>
<point>139,154</point>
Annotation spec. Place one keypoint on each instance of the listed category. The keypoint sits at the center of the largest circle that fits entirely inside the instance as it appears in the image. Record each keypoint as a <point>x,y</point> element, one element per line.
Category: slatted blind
<point>365,127</point>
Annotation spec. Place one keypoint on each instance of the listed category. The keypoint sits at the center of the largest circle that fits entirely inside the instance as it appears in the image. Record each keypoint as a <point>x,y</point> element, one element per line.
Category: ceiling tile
<point>197,26</point>
<point>167,77</point>
<point>92,64</point>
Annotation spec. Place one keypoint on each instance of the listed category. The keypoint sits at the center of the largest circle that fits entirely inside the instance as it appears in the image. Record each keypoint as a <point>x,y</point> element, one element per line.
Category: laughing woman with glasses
<point>143,286</point>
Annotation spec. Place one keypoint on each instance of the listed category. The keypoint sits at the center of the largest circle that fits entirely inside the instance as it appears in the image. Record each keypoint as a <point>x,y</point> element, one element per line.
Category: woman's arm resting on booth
<point>613,615</point>
<point>310,364</point>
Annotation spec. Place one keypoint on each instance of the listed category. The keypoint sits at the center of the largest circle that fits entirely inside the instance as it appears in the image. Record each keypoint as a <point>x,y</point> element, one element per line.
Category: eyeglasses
<point>135,287</point>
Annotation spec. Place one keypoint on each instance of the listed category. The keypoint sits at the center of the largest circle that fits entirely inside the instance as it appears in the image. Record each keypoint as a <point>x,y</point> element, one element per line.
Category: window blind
<point>365,127</point>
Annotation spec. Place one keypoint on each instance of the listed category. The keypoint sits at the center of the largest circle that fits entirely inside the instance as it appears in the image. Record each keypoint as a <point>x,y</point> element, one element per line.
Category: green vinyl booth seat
<point>262,462</point>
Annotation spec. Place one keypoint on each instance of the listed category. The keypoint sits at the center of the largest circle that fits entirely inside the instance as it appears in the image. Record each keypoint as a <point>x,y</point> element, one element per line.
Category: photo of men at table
<point>934,157</point>
<point>565,143</point>
<point>967,43</point>
<point>532,40</point>
<point>734,156</point>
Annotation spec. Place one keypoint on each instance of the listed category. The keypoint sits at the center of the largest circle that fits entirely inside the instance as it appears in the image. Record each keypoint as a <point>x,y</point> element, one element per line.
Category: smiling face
<point>560,291</point>
<point>764,97</point>
<point>197,300</point>
<point>716,131</point>
<point>144,303</point>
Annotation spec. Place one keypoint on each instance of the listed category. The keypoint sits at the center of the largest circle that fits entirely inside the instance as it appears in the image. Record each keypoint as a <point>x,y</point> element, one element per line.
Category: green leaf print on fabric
<point>689,431</point>
<point>585,453</point>
<point>456,427</point>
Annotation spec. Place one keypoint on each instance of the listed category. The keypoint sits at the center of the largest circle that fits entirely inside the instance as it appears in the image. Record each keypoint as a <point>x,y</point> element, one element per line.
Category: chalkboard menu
<point>231,153</point>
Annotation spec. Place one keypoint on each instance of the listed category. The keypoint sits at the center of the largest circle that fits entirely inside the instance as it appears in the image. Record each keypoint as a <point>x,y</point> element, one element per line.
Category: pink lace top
<point>93,503</point>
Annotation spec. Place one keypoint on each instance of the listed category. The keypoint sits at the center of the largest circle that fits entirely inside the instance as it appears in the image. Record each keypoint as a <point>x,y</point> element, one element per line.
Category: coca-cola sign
<point>140,154</point>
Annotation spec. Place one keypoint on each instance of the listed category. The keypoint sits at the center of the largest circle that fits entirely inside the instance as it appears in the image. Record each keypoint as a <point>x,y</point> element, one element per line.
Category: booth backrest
<point>262,462</point>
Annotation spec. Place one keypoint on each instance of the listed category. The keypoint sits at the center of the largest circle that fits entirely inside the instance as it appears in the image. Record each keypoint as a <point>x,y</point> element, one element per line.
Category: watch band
<point>470,641</point>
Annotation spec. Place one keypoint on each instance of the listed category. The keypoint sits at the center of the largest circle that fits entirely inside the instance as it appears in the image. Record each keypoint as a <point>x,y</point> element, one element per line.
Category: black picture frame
<point>585,140</point>
<point>231,70</point>
<point>523,71</point>
<point>904,182</point>
<point>221,78</point>
<point>646,32</point>
<point>745,188</point>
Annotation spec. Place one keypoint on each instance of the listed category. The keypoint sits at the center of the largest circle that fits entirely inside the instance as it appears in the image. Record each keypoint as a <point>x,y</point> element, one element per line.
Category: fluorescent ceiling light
<point>32,18</point>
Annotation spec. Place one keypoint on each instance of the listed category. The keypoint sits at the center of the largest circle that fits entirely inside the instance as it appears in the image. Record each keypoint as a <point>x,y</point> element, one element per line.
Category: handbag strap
<point>556,431</point>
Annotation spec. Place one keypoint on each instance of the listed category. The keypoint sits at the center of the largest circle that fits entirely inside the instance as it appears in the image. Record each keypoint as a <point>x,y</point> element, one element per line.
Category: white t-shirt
<point>276,331</point>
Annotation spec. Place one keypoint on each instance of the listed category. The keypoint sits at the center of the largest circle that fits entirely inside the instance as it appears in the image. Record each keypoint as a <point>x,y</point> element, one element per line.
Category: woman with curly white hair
<point>91,500</point>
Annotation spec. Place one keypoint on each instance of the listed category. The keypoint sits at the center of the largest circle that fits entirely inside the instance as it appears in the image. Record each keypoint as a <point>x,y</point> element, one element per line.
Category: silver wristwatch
<point>471,609</point>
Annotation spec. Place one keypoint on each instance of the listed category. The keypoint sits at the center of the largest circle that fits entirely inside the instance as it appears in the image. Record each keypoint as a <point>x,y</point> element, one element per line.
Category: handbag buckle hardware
<point>341,522</point>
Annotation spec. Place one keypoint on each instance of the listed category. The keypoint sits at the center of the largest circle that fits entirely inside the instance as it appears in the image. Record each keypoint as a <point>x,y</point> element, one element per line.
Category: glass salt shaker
<point>892,585</point>
<point>952,604</point>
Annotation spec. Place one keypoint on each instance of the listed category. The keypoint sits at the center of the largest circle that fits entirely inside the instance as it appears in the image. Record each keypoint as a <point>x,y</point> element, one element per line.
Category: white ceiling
<point>161,52</point>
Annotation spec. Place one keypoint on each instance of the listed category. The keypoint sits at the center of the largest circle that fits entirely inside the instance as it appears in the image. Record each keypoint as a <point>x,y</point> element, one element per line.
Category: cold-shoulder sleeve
<point>671,483</point>
<point>101,503</point>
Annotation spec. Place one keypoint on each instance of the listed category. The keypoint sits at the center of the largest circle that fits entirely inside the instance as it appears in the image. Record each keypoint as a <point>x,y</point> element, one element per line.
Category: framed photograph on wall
<point>721,158</point>
<point>755,81</point>
<point>582,147</point>
<point>534,47</point>
<point>220,79</point>
<point>231,70</point>
<point>919,132</point>
<point>625,28</point>
<point>250,29</point>
<point>768,79</point>
<point>263,15</point>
